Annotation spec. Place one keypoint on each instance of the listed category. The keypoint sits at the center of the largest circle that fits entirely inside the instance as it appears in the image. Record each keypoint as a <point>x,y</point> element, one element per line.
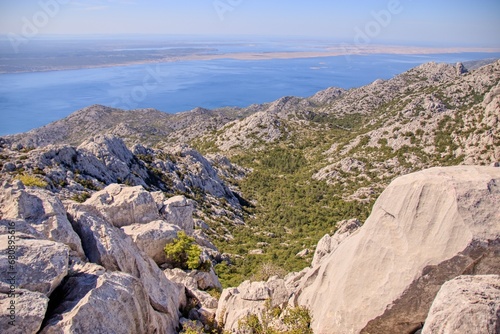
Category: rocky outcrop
<point>178,210</point>
<point>152,237</point>
<point>94,258</point>
<point>28,311</point>
<point>196,283</point>
<point>112,302</point>
<point>40,265</point>
<point>123,206</point>
<point>43,211</point>
<point>425,229</point>
<point>197,174</point>
<point>110,247</point>
<point>327,95</point>
<point>466,304</point>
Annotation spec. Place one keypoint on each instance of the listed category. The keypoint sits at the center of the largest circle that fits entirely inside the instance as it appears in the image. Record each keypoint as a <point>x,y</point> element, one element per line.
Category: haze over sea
<point>30,100</point>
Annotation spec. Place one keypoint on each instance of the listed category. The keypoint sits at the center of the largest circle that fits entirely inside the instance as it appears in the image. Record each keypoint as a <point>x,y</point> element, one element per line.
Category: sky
<point>414,22</point>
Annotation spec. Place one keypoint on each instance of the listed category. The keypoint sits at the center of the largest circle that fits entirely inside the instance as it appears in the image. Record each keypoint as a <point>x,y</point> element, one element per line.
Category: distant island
<point>55,55</point>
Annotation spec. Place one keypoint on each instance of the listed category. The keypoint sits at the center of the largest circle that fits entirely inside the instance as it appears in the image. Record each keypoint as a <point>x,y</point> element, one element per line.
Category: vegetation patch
<point>32,181</point>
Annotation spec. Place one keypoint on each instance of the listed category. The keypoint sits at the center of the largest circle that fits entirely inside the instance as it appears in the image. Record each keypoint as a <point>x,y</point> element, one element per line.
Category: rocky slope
<point>75,262</point>
<point>433,114</point>
<point>142,126</point>
<point>425,229</point>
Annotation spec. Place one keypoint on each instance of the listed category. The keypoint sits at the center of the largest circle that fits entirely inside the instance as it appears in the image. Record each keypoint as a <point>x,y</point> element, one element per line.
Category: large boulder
<point>178,210</point>
<point>425,229</point>
<point>110,247</point>
<point>152,237</point>
<point>123,206</point>
<point>107,158</point>
<point>465,305</point>
<point>110,303</point>
<point>28,310</point>
<point>39,265</point>
<point>43,211</point>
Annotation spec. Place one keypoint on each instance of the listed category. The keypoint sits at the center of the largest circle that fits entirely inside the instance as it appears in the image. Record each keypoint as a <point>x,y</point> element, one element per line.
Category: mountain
<point>256,188</point>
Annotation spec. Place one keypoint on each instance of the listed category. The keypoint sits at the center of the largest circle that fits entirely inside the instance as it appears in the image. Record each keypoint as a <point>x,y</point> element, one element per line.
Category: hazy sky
<point>443,22</point>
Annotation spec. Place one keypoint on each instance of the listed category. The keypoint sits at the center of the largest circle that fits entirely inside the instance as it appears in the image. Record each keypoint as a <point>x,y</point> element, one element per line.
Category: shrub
<point>298,321</point>
<point>267,270</point>
<point>184,253</point>
<point>80,198</point>
<point>32,181</point>
<point>295,320</point>
<point>252,324</point>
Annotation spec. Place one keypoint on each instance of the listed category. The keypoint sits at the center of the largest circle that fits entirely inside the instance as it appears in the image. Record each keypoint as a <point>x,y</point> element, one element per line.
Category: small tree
<point>183,252</point>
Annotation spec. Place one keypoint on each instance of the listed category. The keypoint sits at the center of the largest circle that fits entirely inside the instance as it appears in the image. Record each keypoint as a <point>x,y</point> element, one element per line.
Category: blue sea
<point>30,100</point>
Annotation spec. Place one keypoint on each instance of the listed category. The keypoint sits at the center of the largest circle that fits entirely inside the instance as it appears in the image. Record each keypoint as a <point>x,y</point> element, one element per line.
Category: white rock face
<point>178,210</point>
<point>152,237</point>
<point>40,265</point>
<point>123,206</point>
<point>110,247</point>
<point>112,154</point>
<point>113,302</point>
<point>30,308</point>
<point>43,211</point>
<point>466,304</point>
<point>425,229</point>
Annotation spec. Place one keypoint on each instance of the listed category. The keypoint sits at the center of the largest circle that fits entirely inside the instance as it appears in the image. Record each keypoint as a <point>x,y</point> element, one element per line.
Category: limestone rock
<point>250,298</point>
<point>40,264</point>
<point>152,237</point>
<point>329,244</point>
<point>20,228</point>
<point>206,279</point>
<point>43,211</point>
<point>198,173</point>
<point>425,229</point>
<point>196,282</point>
<point>203,240</point>
<point>159,198</point>
<point>112,152</point>
<point>178,210</point>
<point>465,305</point>
<point>327,95</point>
<point>205,300</point>
<point>110,247</point>
<point>303,253</point>
<point>30,308</point>
<point>460,68</point>
<point>111,303</point>
<point>122,205</point>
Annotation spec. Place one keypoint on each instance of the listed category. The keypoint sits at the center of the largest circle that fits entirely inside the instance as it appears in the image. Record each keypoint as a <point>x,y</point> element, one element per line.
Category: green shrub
<point>298,321</point>
<point>80,198</point>
<point>31,181</point>
<point>184,253</point>
<point>252,324</point>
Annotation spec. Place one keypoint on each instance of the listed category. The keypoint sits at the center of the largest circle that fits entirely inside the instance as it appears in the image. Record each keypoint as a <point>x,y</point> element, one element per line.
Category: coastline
<point>342,50</point>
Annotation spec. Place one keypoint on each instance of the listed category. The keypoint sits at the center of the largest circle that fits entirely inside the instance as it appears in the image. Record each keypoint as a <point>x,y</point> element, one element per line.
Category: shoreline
<point>344,50</point>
